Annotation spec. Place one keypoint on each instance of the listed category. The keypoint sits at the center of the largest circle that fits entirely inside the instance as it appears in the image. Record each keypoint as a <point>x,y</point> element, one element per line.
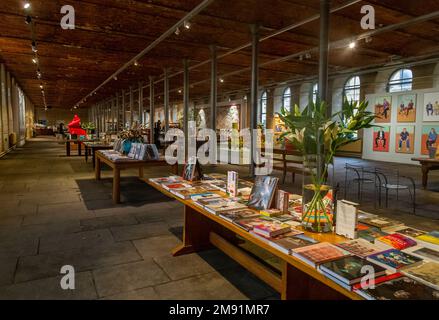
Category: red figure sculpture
<point>75,127</point>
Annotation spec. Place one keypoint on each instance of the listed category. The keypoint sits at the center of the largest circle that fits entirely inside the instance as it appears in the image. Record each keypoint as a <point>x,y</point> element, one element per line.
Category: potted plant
<point>129,137</point>
<point>318,136</point>
<point>89,127</point>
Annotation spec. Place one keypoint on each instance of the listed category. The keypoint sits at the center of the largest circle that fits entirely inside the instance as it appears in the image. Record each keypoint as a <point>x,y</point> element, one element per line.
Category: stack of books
<point>319,253</point>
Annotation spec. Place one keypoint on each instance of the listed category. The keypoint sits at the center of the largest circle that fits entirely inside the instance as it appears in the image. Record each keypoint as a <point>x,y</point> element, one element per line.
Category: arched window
<point>286,99</point>
<point>352,89</point>
<point>401,80</point>
<point>264,108</point>
<point>315,92</point>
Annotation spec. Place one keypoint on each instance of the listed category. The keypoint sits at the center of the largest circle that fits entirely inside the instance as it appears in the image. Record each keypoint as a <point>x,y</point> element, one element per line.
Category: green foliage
<point>88,126</point>
<point>312,131</point>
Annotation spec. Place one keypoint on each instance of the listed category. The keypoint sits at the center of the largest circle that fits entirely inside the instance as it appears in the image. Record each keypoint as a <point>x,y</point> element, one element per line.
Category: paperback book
<point>397,241</point>
<point>397,287</point>
<point>371,234</point>
<point>271,229</point>
<point>218,205</point>
<point>394,260</point>
<point>424,253</point>
<point>239,214</point>
<point>286,243</point>
<point>248,224</point>
<point>430,239</point>
<point>263,192</point>
<point>426,273</point>
<point>232,183</point>
<point>319,253</point>
<point>410,232</point>
<point>349,269</point>
<point>359,247</point>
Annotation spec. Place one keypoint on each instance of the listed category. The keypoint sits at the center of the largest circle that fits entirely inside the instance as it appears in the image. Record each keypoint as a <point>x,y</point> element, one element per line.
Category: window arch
<point>286,99</point>
<point>352,89</point>
<point>315,92</point>
<point>401,80</point>
<point>264,108</point>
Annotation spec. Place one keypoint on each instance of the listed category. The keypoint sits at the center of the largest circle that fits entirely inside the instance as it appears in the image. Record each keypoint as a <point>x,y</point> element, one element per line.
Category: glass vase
<point>317,202</point>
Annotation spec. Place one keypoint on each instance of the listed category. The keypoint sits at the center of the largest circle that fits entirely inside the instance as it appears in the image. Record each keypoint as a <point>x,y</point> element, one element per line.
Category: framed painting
<point>431,107</point>
<point>430,135</point>
<point>383,109</point>
<point>381,139</point>
<point>407,108</point>
<point>405,139</point>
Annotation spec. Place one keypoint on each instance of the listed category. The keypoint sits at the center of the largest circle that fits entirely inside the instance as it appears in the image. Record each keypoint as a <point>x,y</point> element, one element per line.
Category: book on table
<point>422,252</point>
<point>271,228</point>
<point>397,287</point>
<point>291,240</point>
<point>394,260</point>
<point>218,205</point>
<point>397,241</point>
<point>381,222</point>
<point>191,192</point>
<point>371,234</point>
<point>430,240</point>
<point>426,273</point>
<point>359,247</point>
<point>248,224</point>
<point>263,192</point>
<point>175,186</point>
<point>163,180</point>
<point>350,269</point>
<point>271,213</point>
<point>239,214</point>
<point>409,232</point>
<point>319,253</point>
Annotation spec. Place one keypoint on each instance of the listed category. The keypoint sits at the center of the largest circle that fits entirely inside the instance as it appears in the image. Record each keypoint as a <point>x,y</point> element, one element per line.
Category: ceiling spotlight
<point>76,107</point>
<point>352,45</point>
<point>177,31</point>
<point>136,63</point>
<point>34,60</point>
<point>179,91</point>
<point>187,25</point>
<point>221,80</point>
<point>39,75</point>
<point>115,78</point>
<point>34,47</point>
<point>26,5</point>
<point>28,19</point>
<point>41,86</point>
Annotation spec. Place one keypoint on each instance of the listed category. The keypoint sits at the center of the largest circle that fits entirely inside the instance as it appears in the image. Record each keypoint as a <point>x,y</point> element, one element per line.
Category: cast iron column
<point>254,93</point>
<point>140,117</point>
<point>151,108</point>
<point>166,98</point>
<point>324,49</point>
<point>186,105</point>
<point>213,87</point>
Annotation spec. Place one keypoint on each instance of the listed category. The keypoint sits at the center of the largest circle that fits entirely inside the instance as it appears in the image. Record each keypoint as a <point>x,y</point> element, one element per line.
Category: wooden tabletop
<point>297,263</point>
<point>426,160</point>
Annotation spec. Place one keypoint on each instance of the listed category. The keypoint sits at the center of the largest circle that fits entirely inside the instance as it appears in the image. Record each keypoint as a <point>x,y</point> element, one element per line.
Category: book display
<point>400,250</point>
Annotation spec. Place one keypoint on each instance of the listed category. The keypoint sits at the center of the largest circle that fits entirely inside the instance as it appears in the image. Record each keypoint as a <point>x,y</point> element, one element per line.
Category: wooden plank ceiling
<point>110,32</point>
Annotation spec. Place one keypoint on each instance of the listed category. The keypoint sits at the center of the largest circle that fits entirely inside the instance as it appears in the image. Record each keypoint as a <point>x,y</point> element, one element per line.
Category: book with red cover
<point>397,241</point>
<point>271,228</point>
<point>319,253</point>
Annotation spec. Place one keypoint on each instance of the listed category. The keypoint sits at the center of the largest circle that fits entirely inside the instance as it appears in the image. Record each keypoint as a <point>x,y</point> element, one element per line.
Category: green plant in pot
<point>318,136</point>
<point>89,127</point>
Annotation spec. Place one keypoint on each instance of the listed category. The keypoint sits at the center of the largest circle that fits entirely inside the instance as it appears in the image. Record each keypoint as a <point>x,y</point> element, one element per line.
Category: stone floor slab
<point>108,222</point>
<point>184,266</point>
<point>156,246</point>
<point>140,231</point>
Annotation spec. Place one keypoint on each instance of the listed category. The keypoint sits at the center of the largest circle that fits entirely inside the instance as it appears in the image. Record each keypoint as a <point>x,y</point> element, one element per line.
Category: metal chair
<point>364,175</point>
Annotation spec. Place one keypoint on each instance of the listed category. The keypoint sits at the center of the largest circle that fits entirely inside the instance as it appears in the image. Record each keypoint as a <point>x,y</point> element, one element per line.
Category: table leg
<point>141,173</point>
<point>86,153</point>
<point>79,148</point>
<point>98,169</point>
<point>196,233</point>
<point>116,185</point>
<point>68,148</point>
<point>425,171</point>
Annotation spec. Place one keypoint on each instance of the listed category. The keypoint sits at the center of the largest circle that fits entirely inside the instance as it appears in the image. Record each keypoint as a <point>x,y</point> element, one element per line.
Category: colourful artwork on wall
<point>381,139</point>
<point>407,108</point>
<point>431,107</point>
<point>383,109</point>
<point>228,117</point>
<point>405,139</point>
<point>430,135</point>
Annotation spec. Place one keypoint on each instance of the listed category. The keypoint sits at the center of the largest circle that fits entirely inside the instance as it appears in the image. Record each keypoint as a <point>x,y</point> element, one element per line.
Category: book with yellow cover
<point>431,238</point>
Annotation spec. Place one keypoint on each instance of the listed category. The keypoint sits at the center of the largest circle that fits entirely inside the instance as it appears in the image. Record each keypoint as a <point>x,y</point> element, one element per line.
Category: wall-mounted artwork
<point>431,107</point>
<point>407,108</point>
<point>383,109</point>
<point>381,139</point>
<point>405,139</point>
<point>429,138</point>
<point>228,117</point>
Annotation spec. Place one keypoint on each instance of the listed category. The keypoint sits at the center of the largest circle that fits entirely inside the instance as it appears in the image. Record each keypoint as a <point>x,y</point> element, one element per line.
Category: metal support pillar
<point>186,104</point>
<point>124,112</point>
<point>254,95</point>
<point>151,108</point>
<point>213,87</point>
<point>140,103</point>
<point>324,49</point>
<point>166,98</point>
<point>131,107</point>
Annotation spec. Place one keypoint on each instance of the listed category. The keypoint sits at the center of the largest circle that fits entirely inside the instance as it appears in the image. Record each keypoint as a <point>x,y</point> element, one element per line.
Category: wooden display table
<point>92,147</point>
<point>298,281</point>
<point>427,166</point>
<point>75,141</point>
<point>117,166</point>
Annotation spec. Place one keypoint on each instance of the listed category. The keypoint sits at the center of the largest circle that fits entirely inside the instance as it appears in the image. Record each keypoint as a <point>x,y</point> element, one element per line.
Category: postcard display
<point>409,124</point>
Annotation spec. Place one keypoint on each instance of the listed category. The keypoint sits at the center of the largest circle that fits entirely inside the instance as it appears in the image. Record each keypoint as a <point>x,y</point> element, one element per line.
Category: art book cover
<point>397,241</point>
<point>398,287</point>
<point>427,273</point>
<point>239,214</point>
<point>175,186</point>
<point>410,232</point>
<point>271,228</point>
<point>430,238</point>
<point>217,205</point>
<point>232,183</point>
<point>380,222</point>
<point>424,253</point>
<point>190,192</point>
<point>289,241</point>
<point>359,247</point>
<point>371,234</point>
<point>350,269</point>
<point>282,201</point>
<point>319,253</point>
<point>263,192</point>
<point>248,224</point>
<point>394,259</point>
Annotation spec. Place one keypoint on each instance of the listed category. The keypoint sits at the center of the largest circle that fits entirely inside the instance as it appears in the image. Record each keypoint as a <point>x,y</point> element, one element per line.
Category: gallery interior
<point>343,99</point>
